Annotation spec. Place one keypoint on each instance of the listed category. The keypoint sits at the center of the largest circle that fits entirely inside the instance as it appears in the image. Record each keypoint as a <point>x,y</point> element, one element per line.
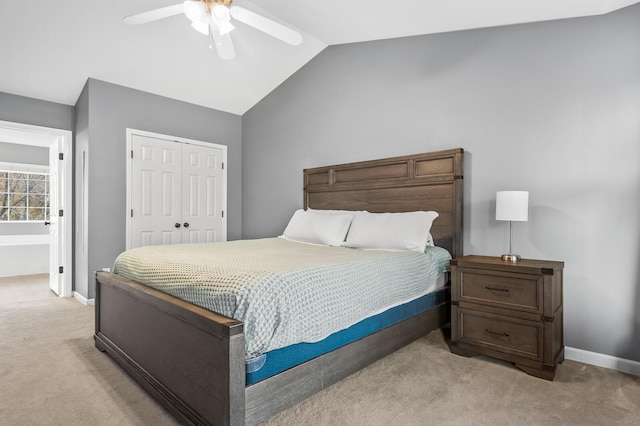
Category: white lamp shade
<point>512,205</point>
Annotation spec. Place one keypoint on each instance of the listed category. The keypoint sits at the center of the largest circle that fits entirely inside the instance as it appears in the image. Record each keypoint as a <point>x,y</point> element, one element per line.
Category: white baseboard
<point>84,300</point>
<point>602,360</point>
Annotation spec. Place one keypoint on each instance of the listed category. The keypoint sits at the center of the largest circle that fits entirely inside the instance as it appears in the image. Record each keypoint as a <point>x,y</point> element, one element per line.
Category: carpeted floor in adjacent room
<point>51,374</point>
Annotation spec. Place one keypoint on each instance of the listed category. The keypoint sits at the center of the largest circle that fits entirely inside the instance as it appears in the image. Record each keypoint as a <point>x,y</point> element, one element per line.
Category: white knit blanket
<point>285,292</point>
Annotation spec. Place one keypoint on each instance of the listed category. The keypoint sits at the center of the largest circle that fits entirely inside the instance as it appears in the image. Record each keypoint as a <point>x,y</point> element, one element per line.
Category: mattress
<point>285,292</point>
<point>279,360</point>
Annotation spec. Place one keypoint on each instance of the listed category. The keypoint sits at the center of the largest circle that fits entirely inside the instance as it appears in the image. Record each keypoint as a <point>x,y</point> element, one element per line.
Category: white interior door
<point>156,216</point>
<point>60,199</point>
<point>202,194</point>
<point>55,277</point>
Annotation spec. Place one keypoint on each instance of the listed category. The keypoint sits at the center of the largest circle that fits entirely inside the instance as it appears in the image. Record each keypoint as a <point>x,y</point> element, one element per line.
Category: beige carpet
<point>51,374</point>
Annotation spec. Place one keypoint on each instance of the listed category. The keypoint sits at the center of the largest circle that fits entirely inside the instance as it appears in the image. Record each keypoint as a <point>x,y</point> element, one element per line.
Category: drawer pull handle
<point>497,333</point>
<point>505,289</point>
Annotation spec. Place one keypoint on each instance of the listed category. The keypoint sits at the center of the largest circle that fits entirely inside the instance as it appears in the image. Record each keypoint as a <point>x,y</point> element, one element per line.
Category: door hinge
<point>60,213</point>
<point>60,269</point>
<point>222,166</point>
<point>131,153</point>
<point>60,156</point>
<point>222,213</point>
<point>131,212</point>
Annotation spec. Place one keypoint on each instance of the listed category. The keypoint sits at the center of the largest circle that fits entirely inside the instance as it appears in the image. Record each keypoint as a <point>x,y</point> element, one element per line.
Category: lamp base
<point>511,258</point>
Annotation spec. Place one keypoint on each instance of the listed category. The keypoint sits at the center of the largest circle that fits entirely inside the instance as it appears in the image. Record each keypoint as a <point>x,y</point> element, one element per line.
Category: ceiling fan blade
<point>266,25</point>
<point>224,45</point>
<point>154,15</point>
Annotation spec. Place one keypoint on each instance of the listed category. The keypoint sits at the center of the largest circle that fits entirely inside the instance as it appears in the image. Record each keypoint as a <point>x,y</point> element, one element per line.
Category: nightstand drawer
<point>510,335</point>
<point>514,291</point>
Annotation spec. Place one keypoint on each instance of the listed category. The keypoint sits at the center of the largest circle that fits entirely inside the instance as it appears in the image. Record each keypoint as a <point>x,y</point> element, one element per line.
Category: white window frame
<point>24,168</point>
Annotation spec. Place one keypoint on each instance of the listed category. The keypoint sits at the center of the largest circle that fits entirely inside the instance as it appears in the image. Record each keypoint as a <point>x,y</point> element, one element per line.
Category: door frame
<point>28,134</point>
<point>129,203</point>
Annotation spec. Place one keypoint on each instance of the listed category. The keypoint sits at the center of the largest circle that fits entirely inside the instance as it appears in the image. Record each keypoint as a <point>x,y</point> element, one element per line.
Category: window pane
<point>37,187</point>
<point>37,200</point>
<point>17,185</point>
<point>36,213</point>
<point>22,191</point>
<point>18,200</point>
<point>17,214</point>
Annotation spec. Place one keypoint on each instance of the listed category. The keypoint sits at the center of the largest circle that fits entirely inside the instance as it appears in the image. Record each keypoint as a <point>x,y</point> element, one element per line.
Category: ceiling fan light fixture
<point>221,19</point>
<point>220,12</point>
<point>200,27</point>
<point>196,11</point>
<point>213,18</point>
<point>226,28</point>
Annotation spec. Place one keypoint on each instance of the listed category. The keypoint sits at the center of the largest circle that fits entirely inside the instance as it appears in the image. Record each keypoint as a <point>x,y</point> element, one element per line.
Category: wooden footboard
<point>189,358</point>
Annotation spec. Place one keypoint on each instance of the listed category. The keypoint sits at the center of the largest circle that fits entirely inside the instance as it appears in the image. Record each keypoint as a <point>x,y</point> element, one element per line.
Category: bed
<point>193,359</point>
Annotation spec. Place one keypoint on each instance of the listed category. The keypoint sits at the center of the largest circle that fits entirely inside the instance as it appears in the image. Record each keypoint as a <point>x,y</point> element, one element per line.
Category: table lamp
<point>514,207</point>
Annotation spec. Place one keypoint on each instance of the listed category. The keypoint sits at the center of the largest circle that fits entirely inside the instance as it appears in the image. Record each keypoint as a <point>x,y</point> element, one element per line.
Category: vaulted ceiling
<point>48,49</point>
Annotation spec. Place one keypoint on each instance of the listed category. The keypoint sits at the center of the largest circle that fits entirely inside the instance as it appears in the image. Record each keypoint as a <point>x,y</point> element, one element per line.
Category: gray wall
<point>19,109</point>
<point>82,275</point>
<point>552,108</point>
<point>25,154</point>
<point>104,112</point>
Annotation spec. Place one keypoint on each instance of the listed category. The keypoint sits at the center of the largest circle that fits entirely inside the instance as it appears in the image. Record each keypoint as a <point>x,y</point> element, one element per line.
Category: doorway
<point>58,142</point>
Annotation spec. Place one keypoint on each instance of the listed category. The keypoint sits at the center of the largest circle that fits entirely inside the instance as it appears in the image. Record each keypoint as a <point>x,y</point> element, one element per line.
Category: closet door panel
<point>155,191</point>
<point>202,194</point>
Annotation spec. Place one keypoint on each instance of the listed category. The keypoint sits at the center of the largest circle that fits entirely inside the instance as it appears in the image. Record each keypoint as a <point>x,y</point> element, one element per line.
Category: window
<point>24,196</point>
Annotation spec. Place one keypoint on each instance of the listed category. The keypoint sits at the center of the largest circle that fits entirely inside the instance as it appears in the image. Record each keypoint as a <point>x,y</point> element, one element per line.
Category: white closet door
<point>176,190</point>
<point>156,216</point>
<point>202,194</point>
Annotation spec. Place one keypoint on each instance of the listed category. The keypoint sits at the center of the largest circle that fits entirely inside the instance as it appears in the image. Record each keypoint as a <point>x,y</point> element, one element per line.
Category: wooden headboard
<point>429,181</point>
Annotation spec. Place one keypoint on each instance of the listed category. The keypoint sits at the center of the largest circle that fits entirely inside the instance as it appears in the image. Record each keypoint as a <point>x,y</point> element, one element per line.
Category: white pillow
<point>430,241</point>
<point>318,228</point>
<point>391,231</point>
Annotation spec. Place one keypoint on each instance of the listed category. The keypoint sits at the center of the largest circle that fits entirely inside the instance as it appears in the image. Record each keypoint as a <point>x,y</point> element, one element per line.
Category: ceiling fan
<point>213,18</point>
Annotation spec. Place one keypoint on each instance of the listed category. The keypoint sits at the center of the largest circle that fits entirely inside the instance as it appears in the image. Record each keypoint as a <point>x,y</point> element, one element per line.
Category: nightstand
<point>510,311</point>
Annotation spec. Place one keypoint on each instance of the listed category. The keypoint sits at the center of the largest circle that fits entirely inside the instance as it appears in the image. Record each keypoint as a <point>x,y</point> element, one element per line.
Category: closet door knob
<point>177,225</point>
<point>186,224</point>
